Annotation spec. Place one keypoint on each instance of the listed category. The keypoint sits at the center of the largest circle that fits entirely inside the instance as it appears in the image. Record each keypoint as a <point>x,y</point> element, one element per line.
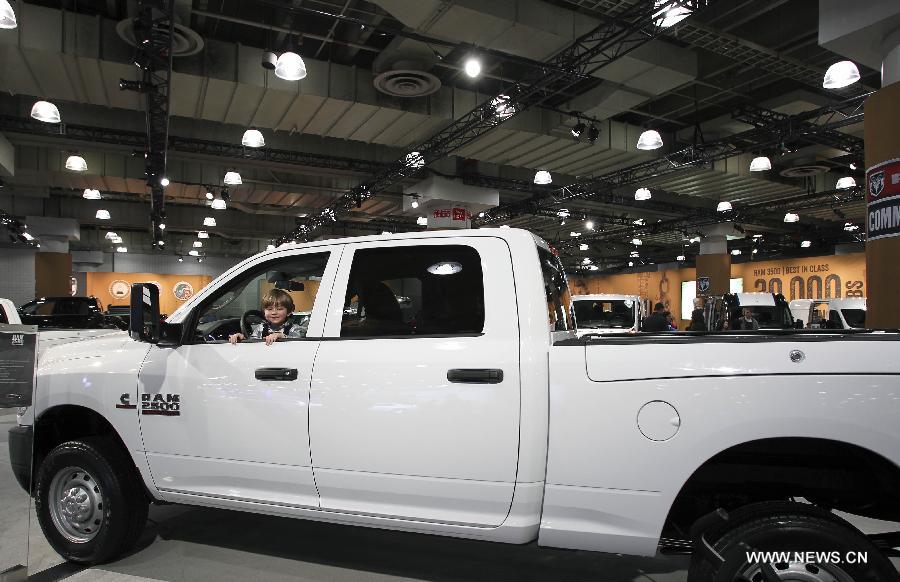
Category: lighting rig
<point>17,230</point>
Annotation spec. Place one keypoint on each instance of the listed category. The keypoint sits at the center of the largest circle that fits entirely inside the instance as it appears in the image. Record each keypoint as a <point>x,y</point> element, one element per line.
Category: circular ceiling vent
<point>407,83</point>
<point>804,171</point>
<point>186,41</point>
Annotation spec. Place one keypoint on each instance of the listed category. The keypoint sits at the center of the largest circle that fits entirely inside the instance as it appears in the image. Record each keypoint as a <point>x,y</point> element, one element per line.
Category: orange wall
<point>101,285</point>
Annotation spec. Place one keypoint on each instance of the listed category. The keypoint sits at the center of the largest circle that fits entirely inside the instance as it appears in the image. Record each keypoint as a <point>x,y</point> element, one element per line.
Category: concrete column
<point>714,262</point>
<point>52,274</point>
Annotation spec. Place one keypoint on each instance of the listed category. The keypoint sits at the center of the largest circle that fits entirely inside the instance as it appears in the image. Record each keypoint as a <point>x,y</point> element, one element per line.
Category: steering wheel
<point>245,321</point>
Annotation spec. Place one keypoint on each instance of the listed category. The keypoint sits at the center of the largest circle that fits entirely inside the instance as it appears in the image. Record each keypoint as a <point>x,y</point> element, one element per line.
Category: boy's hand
<point>273,337</point>
<point>235,338</point>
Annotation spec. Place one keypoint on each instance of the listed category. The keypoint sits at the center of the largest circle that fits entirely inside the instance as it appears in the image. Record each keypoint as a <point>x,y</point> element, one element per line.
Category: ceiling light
<point>180,259</point>
<point>850,227</point>
<point>91,194</point>
<point>650,140</point>
<point>502,107</point>
<point>481,215</point>
<point>578,129</point>
<point>583,247</point>
<point>593,134</point>
<point>233,178</point>
<point>198,244</point>
<point>542,177</point>
<point>422,221</point>
<point>218,204</point>
<point>852,166</point>
<point>594,268</point>
<point>7,16</point>
<point>840,74</point>
<point>76,164</point>
<point>736,252</point>
<point>805,244</point>
<point>270,247</point>
<point>630,263</point>
<point>160,242</point>
<point>202,234</point>
<point>194,253</point>
<point>415,160</point>
<point>754,251</point>
<point>723,206</point>
<point>473,67</point>
<point>117,240</point>
<point>586,261</point>
<point>121,249</point>
<point>634,254</point>
<point>45,111</point>
<point>209,195</point>
<point>670,15</point>
<point>199,259</point>
<point>589,225</point>
<point>643,194</point>
<point>445,268</point>
<point>680,258</point>
<point>791,217</point>
<point>563,213</point>
<point>637,242</point>
<point>757,236</point>
<point>162,226</point>
<point>253,138</point>
<point>574,234</point>
<point>760,164</point>
<point>27,236</point>
<point>102,214</point>
<point>163,181</point>
<point>290,67</point>
<point>111,235</point>
<point>845,182</point>
<point>638,222</point>
<point>414,203</point>
<point>209,221</point>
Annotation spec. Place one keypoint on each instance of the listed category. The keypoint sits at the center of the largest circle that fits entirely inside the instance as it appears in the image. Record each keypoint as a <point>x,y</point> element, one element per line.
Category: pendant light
<point>194,253</point>
<point>233,178</point>
<point>791,217</point>
<point>650,140</point>
<point>473,67</point>
<point>7,16</point>
<point>637,242</point>
<point>845,182</point>
<point>415,160</point>
<point>290,67</point>
<point>202,234</point>
<point>218,204</point>
<point>45,111</point>
<point>198,244</point>
<point>102,214</point>
<point>643,194</point>
<point>840,74</point>
<point>253,138</point>
<point>121,249</point>
<point>111,235</point>
<point>736,252</point>
<point>76,164</point>
<point>209,195</point>
<point>209,221</point>
<point>680,258</point>
<point>91,194</point>
<point>723,206</point>
<point>805,244</point>
<point>542,177</point>
<point>760,164</point>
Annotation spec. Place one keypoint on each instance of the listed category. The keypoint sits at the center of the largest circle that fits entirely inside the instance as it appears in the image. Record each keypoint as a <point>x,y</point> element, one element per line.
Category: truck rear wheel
<point>90,504</point>
<point>810,545</point>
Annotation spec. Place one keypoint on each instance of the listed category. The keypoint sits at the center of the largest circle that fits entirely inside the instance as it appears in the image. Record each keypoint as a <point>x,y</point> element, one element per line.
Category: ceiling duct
<point>804,170</point>
<point>185,43</point>
<point>402,69</point>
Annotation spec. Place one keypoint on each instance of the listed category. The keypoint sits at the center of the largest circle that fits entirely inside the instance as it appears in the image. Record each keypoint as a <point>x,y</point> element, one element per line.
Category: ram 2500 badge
<point>439,388</point>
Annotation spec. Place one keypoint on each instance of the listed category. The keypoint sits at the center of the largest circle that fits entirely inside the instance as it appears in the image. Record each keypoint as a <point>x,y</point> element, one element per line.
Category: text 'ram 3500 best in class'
<point>432,382</point>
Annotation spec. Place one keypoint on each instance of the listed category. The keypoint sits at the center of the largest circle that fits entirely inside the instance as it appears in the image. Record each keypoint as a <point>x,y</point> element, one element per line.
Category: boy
<point>277,305</point>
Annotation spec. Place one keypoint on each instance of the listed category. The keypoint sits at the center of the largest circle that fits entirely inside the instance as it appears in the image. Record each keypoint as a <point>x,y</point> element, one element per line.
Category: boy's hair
<point>278,298</point>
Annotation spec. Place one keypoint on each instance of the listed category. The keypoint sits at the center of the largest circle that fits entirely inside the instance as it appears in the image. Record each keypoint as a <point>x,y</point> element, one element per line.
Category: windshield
<point>854,317</point>
<point>556,290</point>
<point>768,317</point>
<point>604,313</point>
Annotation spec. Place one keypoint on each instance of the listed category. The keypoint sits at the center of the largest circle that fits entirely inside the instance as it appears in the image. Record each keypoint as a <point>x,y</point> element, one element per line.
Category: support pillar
<point>714,262</point>
<point>52,274</point>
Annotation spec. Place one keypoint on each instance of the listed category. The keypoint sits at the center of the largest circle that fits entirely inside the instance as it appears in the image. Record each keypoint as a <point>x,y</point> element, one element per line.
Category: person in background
<point>747,322</point>
<point>698,320</point>
<point>657,321</point>
<point>671,322</point>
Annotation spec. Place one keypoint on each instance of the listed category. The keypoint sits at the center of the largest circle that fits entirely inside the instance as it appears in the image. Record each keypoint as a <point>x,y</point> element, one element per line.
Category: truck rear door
<point>414,407</point>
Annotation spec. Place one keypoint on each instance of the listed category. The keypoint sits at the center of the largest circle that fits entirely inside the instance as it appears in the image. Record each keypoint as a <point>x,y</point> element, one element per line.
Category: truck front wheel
<point>790,541</point>
<point>90,504</point>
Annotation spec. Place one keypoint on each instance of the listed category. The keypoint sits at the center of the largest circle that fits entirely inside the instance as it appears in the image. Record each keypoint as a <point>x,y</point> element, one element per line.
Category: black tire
<point>789,527</point>
<point>116,517</point>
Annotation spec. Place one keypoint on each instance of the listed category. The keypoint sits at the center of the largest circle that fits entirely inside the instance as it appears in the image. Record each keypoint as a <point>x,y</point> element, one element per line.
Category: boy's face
<point>276,314</point>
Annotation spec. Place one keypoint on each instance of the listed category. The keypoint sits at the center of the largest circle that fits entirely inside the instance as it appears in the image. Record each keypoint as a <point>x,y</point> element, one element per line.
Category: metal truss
<point>804,130</point>
<point>612,39</point>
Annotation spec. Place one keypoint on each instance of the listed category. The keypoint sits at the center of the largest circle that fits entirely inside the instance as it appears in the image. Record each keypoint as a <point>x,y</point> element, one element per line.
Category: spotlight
<point>138,86</point>
<point>805,244</point>
<point>163,181</point>
<point>593,134</point>
<point>162,226</point>
<point>473,67</point>
<point>578,129</point>
<point>209,195</point>
<point>269,59</point>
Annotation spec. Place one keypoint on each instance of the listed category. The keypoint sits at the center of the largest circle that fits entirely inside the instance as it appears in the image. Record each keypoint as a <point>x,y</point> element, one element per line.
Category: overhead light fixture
<point>111,235</point>
<point>805,244</point>
<point>164,182</point>
<point>121,249</point>
<point>473,67</point>
<point>160,242</point>
<point>209,195</point>
<point>667,16</point>
<point>76,164</point>
<point>791,217</point>
<point>422,221</point>
<point>44,110</point>
<point>638,222</point>
<point>680,258</point>
<point>593,134</point>
<point>583,247</point>
<point>630,263</point>
<point>116,240</point>
<point>563,213</point>
<point>754,251</point>
<point>233,178</point>
<point>198,244</point>
<point>578,129</point>
<point>253,138</point>
<point>194,253</point>
<point>757,236</point>
<point>637,242</point>
<point>850,227</point>
<point>586,261</point>
<point>840,74</point>
<point>736,252</point>
<point>202,234</point>
<point>845,182</point>
<point>218,204</point>
<point>501,106</point>
<point>102,214</point>
<point>209,221</point>
<point>290,67</point>
<point>634,254</point>
<point>643,194</point>
<point>723,206</point>
<point>445,268</point>
<point>542,177</point>
<point>415,202</point>
<point>574,234</point>
<point>91,194</point>
<point>593,268</point>
<point>852,166</point>
<point>589,225</point>
<point>162,226</point>
<point>693,240</point>
<point>180,259</point>
<point>27,236</point>
<point>649,140</point>
<point>7,16</point>
<point>760,164</point>
<point>415,160</point>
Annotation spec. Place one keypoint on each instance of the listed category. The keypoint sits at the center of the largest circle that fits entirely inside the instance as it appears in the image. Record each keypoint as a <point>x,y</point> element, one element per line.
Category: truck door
<point>230,421</point>
<point>414,407</point>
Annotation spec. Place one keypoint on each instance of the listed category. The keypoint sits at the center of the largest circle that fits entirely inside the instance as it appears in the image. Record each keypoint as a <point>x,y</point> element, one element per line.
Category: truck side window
<point>299,276</point>
<point>556,288</point>
<point>414,290</point>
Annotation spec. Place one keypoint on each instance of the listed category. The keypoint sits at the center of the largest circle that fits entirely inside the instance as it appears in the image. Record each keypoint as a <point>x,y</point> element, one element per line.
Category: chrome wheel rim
<point>799,572</point>
<point>76,504</point>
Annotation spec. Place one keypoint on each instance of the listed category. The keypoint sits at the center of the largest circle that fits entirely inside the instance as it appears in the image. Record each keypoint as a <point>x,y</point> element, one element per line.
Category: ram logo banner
<point>876,184</point>
<point>883,212</point>
<point>702,284</point>
<point>161,404</point>
<point>125,402</point>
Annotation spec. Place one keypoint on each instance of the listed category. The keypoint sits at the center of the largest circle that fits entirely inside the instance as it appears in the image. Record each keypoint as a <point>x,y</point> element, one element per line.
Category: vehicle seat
<point>382,315</point>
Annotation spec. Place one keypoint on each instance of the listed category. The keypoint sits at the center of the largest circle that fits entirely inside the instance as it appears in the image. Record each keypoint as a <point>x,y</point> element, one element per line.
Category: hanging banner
<point>18,348</point>
<point>883,200</point>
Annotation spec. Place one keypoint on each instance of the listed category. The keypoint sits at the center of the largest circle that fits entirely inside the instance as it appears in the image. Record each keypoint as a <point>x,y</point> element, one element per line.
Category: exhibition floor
<point>188,543</point>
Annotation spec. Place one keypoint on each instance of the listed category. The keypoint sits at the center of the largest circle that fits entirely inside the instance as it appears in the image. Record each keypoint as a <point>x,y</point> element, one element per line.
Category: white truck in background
<point>472,412</point>
<point>841,313</point>
<point>52,337</point>
<point>607,313</point>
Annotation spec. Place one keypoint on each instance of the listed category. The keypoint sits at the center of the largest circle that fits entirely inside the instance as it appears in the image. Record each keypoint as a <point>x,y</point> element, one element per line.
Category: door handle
<point>475,375</point>
<point>276,373</point>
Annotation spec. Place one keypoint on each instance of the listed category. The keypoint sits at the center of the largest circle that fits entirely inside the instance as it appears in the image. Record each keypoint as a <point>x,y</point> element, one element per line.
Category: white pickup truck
<point>52,337</point>
<point>607,313</point>
<point>471,411</point>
